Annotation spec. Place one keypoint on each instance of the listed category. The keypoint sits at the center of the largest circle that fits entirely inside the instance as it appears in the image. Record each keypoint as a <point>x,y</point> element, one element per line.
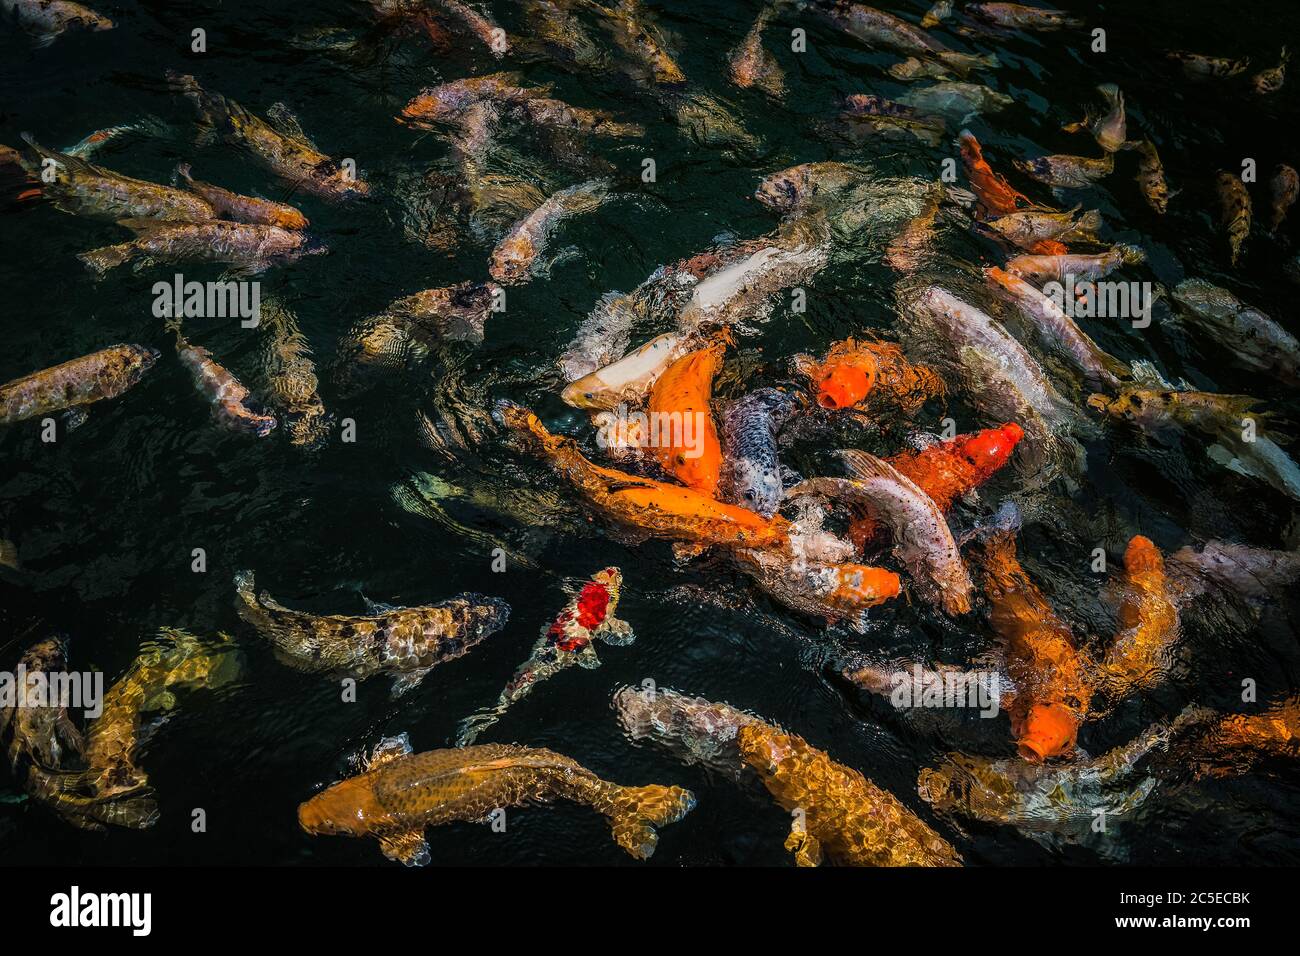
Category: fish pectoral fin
<point>387,750</point>
<point>807,849</point>
<point>407,847</point>
<point>75,417</point>
<point>616,632</point>
<point>408,681</point>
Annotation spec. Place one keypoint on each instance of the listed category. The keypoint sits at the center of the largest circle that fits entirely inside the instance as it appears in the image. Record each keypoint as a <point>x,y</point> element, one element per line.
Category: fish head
<point>784,190</point>
<point>940,786</point>
<point>1142,556</point>
<point>756,486</point>
<point>988,450</point>
<point>348,808</point>
<point>1048,730</point>
<point>587,393</point>
<point>511,259</point>
<point>843,383</point>
<point>767,750</point>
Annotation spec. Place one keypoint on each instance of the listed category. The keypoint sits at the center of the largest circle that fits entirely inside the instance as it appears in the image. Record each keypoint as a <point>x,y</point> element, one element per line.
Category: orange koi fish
<point>996,195</point>
<point>1139,658</point>
<point>854,371</point>
<point>1053,690</point>
<point>662,510</point>
<point>688,448</point>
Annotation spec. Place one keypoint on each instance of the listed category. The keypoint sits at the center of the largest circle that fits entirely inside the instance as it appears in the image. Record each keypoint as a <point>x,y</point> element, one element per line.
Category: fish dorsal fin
<point>71,163</point>
<point>406,847</point>
<point>387,750</point>
<point>865,466</point>
<point>280,118</point>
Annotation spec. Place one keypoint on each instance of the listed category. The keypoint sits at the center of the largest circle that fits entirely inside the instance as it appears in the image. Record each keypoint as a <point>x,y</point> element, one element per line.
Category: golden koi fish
<point>400,793</point>
<point>76,383</point>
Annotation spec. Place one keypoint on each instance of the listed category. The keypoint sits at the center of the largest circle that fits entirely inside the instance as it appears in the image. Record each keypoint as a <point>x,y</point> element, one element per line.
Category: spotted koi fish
<point>226,394</point>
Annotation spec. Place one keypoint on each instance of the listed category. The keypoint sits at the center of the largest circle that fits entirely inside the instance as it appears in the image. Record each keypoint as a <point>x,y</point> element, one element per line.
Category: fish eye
<point>749,495</point>
<point>681,460</point>
<point>589,395</point>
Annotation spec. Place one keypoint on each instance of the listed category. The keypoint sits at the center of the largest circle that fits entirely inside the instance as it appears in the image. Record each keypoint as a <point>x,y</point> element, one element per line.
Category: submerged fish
<point>491,35</point>
<point>1054,326</point>
<point>634,35</point>
<point>515,255</point>
<point>83,189</point>
<point>652,508</point>
<point>1054,798</point>
<point>228,205</point>
<point>248,248</point>
<point>1228,419</point>
<point>752,66</point>
<point>740,291</point>
<point>226,394</point>
<point>76,383</point>
<point>1141,655</point>
<point>568,640</point>
<point>1255,574</point>
<point>1028,228</point>
<point>880,29</point>
<point>1197,66</point>
<point>1045,269</point>
<point>1052,678</point>
<point>995,194</point>
<point>405,643</point>
<point>291,378</point>
<point>956,101</point>
<point>400,793</point>
<point>283,149</point>
<point>911,246</point>
<point>839,814</point>
<point>1019,16</point>
<point>1284,188</point>
<point>751,468</point>
<point>922,539</point>
<point>448,101</point>
<point>1234,213</point>
<point>46,20</point>
<point>42,734</point>
<point>800,188</point>
<point>1271,80</point>
<point>876,114</point>
<point>835,592</point>
<point>1258,342</point>
<point>1151,176</point>
<point>1232,744</point>
<point>1067,172</point>
<point>1109,129</point>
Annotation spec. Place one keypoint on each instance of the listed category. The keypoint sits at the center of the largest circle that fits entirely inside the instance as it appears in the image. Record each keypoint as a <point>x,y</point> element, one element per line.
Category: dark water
<point>107,517</point>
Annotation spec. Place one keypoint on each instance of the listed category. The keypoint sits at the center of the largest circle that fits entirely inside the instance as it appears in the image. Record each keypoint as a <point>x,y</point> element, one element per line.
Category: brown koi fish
<point>75,384</point>
<point>233,206</point>
<point>226,394</point>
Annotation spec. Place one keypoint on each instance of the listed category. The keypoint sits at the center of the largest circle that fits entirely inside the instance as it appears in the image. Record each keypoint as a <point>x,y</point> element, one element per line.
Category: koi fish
<point>1198,67</point>
<point>751,468</point>
<point>629,380</point>
<point>1151,176</point>
<point>405,642</point>
<point>877,28</point>
<point>1021,17</point>
<point>650,507</point>
<point>446,102</point>
<point>248,248</point>
<point>1285,187</point>
<point>956,101</point>
<point>46,20</point>
<point>1067,172</point>
<point>568,640</point>
<point>491,35</point>
<point>690,452</point>
<point>1227,419</point>
<point>545,111</point>
<point>879,115</point>
<point>1049,798</point>
<point>1051,676</point>
<point>1140,656</point>
<point>843,816</point>
<point>291,377</point>
<point>632,34</point>
<point>751,66</point>
<point>996,196</point>
<point>75,384</point>
<point>833,592</point>
<point>844,378</point>
<point>922,539</point>
<point>1259,342</point>
<point>1256,574</point>
<point>514,257</point>
<point>911,246</point>
<point>283,149</point>
<point>1054,326</point>
<point>41,735</point>
<point>399,793</point>
<point>1108,129</point>
<point>1232,744</point>
<point>1234,213</point>
<point>1029,228</point>
<point>226,394</point>
<point>86,190</point>
<point>228,205</point>
<point>797,188</point>
<point>947,470</point>
<point>1044,269</point>
<point>1271,80</point>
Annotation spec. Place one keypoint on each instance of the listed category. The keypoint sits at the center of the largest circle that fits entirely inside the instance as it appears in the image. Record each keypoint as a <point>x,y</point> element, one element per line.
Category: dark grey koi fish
<point>405,642</point>
<point>751,471</point>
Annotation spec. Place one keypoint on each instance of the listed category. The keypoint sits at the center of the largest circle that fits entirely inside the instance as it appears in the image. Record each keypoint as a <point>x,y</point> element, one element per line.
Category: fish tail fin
<point>105,258</point>
<point>1131,255</point>
<point>250,606</point>
<point>18,186</point>
<point>634,812</point>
